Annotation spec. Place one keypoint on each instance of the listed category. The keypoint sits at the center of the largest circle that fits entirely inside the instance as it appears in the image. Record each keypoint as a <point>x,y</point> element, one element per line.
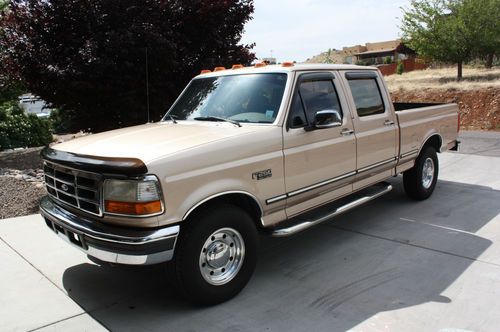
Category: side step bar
<point>331,210</point>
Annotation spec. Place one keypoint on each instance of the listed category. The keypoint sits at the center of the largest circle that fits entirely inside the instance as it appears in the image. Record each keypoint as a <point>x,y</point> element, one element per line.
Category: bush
<point>62,122</point>
<point>362,63</point>
<point>18,130</point>
<point>400,68</point>
<point>387,60</point>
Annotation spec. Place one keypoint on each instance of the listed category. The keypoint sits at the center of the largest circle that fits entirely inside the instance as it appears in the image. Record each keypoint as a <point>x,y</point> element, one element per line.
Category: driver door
<point>319,163</point>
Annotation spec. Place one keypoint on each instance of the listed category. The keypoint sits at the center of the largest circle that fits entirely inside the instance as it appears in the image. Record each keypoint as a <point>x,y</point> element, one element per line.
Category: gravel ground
<point>21,179</point>
<point>21,182</point>
<point>18,197</point>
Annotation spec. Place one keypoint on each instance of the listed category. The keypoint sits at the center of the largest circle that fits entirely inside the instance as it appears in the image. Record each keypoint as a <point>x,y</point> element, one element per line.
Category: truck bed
<point>419,121</point>
<point>409,106</point>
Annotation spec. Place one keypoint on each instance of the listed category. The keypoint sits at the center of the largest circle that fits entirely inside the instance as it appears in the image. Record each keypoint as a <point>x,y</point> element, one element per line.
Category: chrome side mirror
<point>327,119</point>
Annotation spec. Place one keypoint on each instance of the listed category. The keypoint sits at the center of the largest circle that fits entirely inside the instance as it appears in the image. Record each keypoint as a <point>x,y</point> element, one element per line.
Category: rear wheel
<point>420,181</point>
<point>216,255</point>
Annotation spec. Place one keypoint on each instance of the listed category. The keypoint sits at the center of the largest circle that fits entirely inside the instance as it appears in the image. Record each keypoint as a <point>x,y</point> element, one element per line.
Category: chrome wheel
<point>221,256</point>
<point>427,173</point>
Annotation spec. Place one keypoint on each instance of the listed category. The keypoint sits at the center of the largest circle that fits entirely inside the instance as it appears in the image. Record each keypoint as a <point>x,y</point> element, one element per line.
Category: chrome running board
<point>331,210</point>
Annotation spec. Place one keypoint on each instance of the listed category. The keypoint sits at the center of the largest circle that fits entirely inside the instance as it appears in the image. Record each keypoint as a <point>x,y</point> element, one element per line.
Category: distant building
<point>269,61</point>
<point>377,53</point>
<point>32,104</point>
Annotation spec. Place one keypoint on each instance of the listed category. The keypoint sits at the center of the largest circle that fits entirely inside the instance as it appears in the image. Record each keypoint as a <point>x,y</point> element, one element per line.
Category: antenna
<point>147,84</point>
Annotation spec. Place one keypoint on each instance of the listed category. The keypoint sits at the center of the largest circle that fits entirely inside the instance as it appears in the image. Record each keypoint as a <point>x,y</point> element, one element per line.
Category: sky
<point>295,30</point>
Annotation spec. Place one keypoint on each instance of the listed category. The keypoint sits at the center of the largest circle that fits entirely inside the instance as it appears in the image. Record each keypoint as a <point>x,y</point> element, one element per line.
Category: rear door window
<point>367,96</point>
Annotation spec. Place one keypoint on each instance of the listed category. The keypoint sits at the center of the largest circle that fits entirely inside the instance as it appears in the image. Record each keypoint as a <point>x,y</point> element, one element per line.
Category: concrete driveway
<point>391,265</point>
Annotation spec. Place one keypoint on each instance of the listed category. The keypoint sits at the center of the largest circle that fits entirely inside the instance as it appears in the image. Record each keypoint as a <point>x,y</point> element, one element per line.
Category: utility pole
<point>147,85</point>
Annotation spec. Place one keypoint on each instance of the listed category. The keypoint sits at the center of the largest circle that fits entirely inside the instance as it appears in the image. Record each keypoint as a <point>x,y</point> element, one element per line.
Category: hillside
<point>333,56</point>
<point>478,95</point>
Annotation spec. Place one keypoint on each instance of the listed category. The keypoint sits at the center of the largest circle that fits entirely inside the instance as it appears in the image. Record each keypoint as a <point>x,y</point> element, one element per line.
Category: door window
<point>313,96</point>
<point>367,97</point>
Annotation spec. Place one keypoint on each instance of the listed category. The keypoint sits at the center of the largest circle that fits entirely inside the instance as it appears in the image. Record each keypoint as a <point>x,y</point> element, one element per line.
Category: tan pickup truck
<point>272,149</point>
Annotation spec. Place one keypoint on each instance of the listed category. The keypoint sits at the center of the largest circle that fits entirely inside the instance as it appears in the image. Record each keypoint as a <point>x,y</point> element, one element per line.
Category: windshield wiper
<point>172,117</point>
<point>216,118</point>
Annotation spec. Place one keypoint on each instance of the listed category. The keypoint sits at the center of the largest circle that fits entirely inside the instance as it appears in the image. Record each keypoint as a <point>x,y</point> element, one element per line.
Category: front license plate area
<point>70,236</point>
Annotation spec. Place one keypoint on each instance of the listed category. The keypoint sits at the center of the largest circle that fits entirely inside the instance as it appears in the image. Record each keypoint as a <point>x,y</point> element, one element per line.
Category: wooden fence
<point>410,64</point>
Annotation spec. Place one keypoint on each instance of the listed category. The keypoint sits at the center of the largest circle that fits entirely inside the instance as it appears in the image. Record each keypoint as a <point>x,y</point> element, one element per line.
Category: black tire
<point>226,222</point>
<point>416,184</point>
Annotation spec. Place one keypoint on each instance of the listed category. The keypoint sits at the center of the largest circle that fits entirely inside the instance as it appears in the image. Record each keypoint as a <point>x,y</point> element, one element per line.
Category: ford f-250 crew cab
<point>276,149</point>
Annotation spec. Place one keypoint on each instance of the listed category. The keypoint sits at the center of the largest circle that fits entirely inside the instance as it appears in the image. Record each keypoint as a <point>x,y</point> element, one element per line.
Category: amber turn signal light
<point>133,208</point>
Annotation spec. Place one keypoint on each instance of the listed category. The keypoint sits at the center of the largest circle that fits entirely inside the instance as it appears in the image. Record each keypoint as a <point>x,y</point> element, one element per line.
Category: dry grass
<point>445,79</point>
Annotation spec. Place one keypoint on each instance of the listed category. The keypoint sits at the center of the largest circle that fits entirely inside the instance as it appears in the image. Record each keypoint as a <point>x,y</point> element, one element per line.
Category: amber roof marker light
<point>237,66</point>
<point>260,65</point>
<point>205,71</point>
<point>219,68</point>
<point>287,64</point>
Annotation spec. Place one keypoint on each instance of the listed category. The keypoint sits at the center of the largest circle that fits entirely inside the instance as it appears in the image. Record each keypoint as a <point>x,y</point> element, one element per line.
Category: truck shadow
<point>390,254</point>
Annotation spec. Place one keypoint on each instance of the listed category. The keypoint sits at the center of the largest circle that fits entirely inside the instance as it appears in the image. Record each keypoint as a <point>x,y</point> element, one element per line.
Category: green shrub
<point>19,130</point>
<point>400,68</point>
<point>362,63</point>
<point>62,121</point>
<point>387,60</point>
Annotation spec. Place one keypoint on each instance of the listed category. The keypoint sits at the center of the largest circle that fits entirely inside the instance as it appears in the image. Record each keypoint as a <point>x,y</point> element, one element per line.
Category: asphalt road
<point>391,265</point>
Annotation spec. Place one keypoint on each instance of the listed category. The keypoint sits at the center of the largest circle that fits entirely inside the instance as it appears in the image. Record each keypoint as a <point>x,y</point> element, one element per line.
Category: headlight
<point>133,197</point>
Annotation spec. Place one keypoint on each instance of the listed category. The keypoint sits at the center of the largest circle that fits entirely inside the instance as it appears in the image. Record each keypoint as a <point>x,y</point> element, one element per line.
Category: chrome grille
<point>77,188</point>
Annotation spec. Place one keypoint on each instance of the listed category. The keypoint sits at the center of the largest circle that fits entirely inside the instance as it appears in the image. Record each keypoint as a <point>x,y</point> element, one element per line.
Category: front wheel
<point>420,181</point>
<point>216,255</point>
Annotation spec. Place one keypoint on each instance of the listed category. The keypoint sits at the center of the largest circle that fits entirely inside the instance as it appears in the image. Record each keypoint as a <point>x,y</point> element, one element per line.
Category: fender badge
<point>260,175</point>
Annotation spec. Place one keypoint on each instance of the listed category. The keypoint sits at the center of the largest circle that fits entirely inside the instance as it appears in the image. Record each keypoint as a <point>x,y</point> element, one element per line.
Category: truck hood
<point>151,141</point>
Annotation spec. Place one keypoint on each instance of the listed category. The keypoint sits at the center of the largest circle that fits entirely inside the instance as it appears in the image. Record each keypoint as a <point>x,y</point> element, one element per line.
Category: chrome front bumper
<point>110,243</point>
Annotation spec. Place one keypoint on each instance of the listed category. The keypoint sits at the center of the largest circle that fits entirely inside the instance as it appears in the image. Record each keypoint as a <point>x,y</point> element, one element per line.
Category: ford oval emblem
<point>64,187</point>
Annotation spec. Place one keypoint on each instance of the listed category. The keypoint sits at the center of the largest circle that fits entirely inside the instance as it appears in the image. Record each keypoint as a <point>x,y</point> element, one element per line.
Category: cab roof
<point>281,69</point>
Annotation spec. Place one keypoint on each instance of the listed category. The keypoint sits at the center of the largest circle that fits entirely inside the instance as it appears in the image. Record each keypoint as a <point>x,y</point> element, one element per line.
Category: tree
<point>452,31</point>
<point>328,55</point>
<point>483,18</point>
<point>108,61</point>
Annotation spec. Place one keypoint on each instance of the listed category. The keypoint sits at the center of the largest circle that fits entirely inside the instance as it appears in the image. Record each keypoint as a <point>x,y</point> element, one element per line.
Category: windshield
<point>253,98</point>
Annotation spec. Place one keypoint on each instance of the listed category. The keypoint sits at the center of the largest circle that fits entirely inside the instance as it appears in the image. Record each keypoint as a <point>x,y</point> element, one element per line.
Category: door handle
<point>388,123</point>
<point>346,132</point>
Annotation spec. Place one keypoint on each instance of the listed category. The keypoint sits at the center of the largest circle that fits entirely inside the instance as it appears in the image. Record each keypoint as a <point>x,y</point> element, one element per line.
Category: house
<point>377,53</point>
<point>269,61</point>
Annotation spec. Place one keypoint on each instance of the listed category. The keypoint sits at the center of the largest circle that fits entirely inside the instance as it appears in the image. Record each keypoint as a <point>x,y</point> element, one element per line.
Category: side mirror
<point>327,119</point>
